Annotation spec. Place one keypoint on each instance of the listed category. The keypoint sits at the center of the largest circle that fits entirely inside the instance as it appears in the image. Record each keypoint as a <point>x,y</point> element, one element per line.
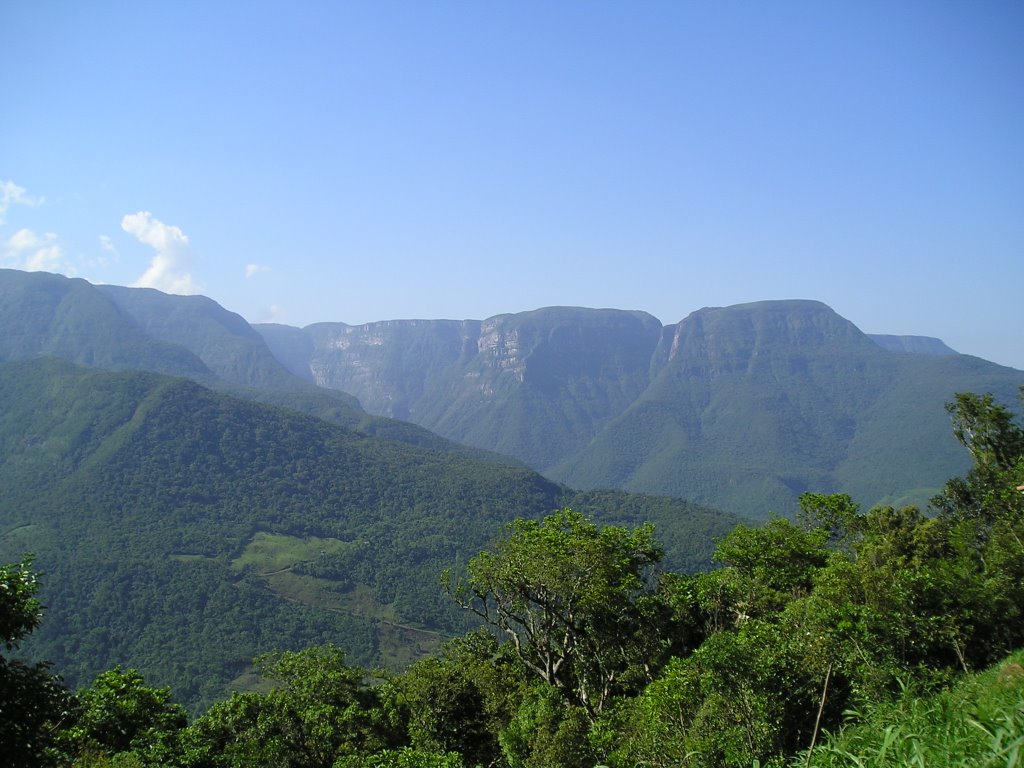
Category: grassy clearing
<point>324,594</point>
<point>250,681</point>
<point>274,557</point>
<point>269,552</point>
<point>979,722</point>
<point>400,646</point>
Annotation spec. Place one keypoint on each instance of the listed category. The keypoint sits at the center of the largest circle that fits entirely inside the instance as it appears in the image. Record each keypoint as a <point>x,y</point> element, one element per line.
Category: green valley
<point>183,531</point>
<point>879,638</point>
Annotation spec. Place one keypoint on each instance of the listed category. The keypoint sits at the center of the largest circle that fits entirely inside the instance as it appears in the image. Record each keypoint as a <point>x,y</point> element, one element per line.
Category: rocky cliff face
<point>536,385</point>
<point>742,339</point>
<point>388,365</point>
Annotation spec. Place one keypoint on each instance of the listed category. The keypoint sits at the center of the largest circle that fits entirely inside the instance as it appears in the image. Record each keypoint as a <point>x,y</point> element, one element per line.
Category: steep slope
<point>224,341</point>
<point>740,407</point>
<point>291,346</point>
<point>136,328</point>
<point>143,329</point>
<point>535,385</point>
<point>182,531</point>
<point>44,314</point>
<point>756,403</point>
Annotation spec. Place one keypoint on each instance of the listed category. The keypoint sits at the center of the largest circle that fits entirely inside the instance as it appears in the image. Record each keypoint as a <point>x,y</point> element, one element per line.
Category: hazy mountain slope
<point>535,385</point>
<point>144,329</point>
<point>44,314</point>
<point>904,449</point>
<point>741,407</point>
<point>752,402</point>
<point>182,530</point>
<point>291,346</point>
<point>224,341</point>
<point>138,328</point>
<point>343,410</point>
<point>757,403</point>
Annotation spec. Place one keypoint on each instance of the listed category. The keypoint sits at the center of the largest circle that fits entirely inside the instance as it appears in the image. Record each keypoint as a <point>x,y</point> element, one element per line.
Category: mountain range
<point>197,489</point>
<point>740,407</point>
<point>192,504</point>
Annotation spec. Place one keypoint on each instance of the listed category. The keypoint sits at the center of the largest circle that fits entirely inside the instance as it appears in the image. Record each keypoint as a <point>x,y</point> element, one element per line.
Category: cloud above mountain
<point>169,269</point>
<point>30,251</point>
<point>26,249</point>
<point>12,194</point>
<point>254,269</point>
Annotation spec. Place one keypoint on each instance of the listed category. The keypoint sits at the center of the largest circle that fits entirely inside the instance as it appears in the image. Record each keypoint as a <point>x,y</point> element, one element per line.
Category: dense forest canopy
<point>598,656</point>
<point>184,531</point>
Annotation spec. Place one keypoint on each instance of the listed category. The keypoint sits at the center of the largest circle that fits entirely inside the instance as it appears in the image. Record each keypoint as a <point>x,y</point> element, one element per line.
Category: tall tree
<point>119,713</point>
<point>32,700</point>
<point>575,599</point>
<point>989,492</point>
<point>986,510</point>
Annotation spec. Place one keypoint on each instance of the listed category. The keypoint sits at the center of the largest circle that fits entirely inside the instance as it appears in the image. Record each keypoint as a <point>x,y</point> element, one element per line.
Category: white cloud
<point>29,251</point>
<point>169,269</point>
<point>24,240</point>
<point>10,194</point>
<point>252,269</point>
<point>107,244</point>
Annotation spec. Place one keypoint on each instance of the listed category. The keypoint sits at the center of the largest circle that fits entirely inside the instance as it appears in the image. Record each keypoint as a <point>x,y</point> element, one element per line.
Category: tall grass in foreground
<point>979,722</point>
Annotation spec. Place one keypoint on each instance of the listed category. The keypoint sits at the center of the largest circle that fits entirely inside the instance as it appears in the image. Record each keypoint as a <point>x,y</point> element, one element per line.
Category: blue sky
<point>357,161</point>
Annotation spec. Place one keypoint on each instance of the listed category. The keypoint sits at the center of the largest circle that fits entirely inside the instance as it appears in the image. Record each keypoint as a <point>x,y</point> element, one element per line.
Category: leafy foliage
<point>571,597</point>
<point>147,500</point>
<point>31,699</point>
<point>320,712</point>
<point>119,713</point>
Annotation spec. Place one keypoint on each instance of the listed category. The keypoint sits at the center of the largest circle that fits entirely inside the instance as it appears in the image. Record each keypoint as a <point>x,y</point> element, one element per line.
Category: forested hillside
<point>740,407</point>
<point>182,531</point>
<point>117,328</point>
<point>867,621</point>
<point>758,403</point>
